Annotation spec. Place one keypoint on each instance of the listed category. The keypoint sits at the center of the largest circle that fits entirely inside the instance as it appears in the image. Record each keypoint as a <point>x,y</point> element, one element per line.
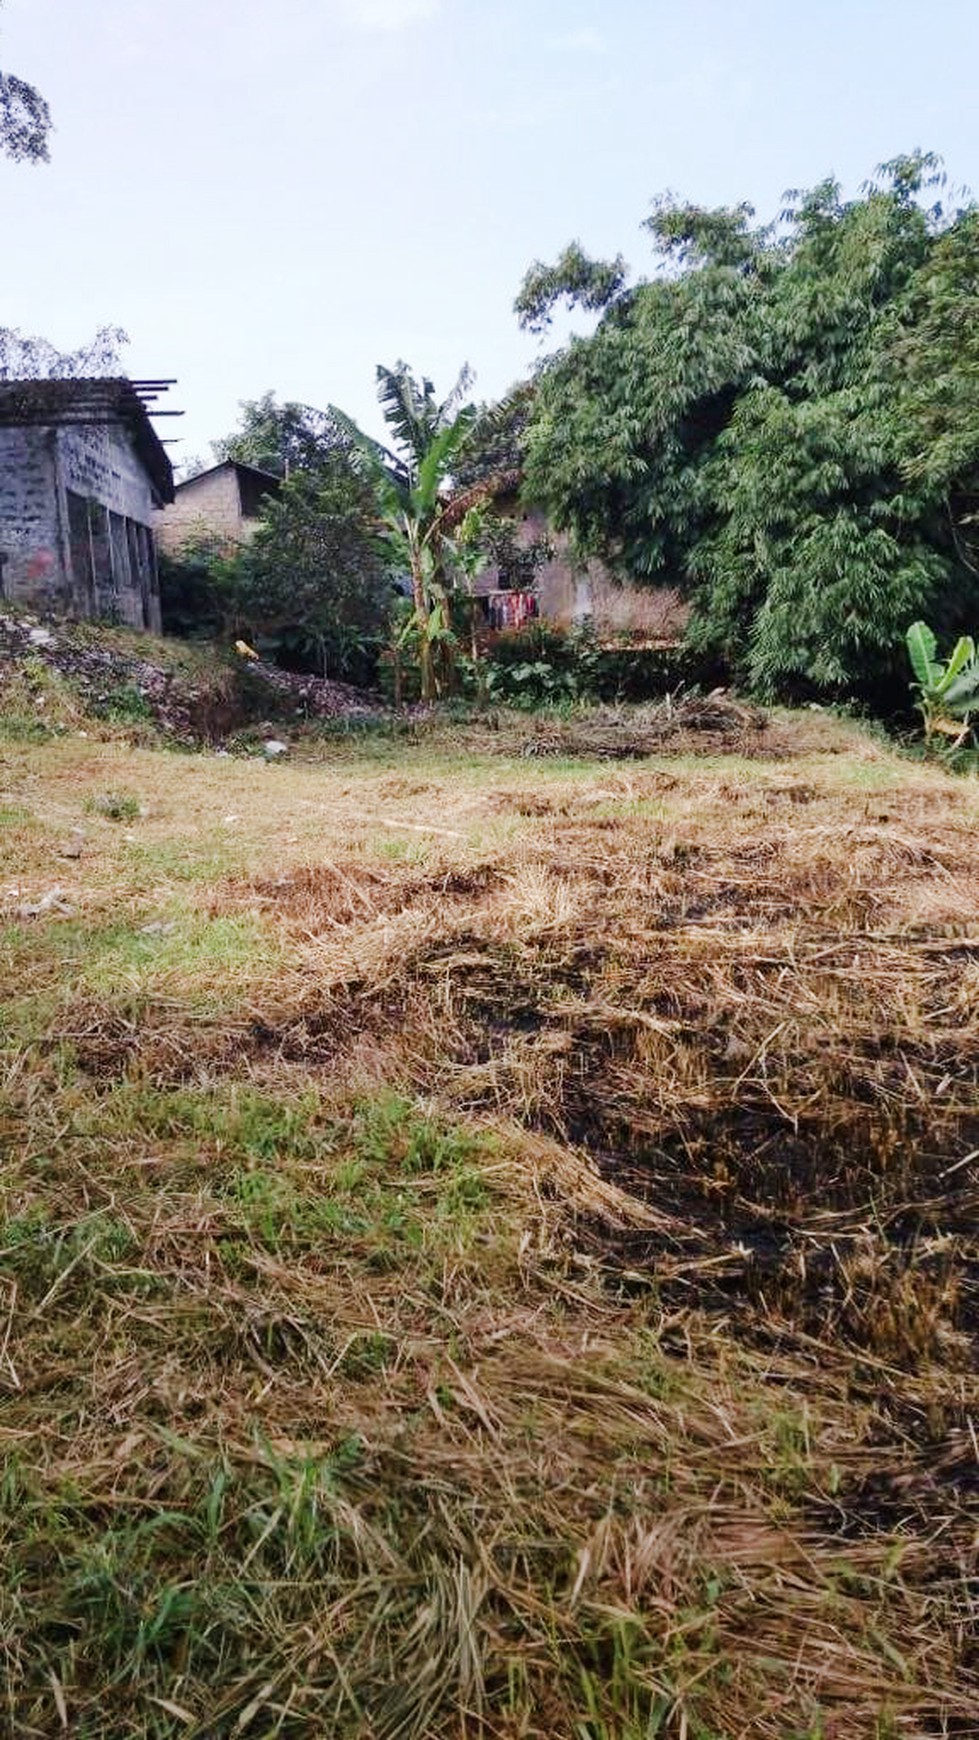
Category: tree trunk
<point>425,666</point>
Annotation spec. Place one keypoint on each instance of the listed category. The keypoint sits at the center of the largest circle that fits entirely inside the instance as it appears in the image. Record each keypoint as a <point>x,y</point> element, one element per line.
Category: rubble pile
<point>187,697</point>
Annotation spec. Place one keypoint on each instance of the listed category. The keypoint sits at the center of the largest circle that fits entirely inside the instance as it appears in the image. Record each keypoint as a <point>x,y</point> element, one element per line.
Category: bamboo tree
<point>782,423</point>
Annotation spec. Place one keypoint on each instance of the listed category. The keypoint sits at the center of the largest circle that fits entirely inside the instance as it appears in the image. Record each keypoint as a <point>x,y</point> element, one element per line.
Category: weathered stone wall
<point>570,591</point>
<point>99,464</point>
<point>76,511</point>
<point>206,511</point>
<point>615,608</point>
<point>32,566</point>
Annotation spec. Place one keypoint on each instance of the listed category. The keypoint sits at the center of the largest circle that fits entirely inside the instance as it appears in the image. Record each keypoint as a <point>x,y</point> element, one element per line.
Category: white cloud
<point>388,14</point>
<point>585,40</point>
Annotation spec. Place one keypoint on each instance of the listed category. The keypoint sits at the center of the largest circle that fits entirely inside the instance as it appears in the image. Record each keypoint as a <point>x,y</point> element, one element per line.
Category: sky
<point>284,193</point>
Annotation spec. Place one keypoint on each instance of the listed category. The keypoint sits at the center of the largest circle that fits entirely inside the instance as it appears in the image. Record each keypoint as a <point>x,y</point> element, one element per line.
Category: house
<point>567,591</point>
<point>82,472</point>
<point>217,509</point>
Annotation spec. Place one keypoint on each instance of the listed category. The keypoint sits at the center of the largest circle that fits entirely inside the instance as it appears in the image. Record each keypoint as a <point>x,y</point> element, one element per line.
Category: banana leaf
<point>950,728</point>
<point>962,694</point>
<point>963,652</point>
<point>922,647</point>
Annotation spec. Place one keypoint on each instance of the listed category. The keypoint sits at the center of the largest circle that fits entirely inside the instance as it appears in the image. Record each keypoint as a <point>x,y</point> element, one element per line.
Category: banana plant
<point>948,693</point>
<point>411,486</point>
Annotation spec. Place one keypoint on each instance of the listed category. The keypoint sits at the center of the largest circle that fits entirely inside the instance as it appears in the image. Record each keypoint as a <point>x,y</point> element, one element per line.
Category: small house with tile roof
<point>216,510</point>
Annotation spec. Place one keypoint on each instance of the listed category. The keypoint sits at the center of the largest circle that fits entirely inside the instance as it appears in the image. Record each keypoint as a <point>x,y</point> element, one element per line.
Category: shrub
<point>540,665</point>
<point>116,806</point>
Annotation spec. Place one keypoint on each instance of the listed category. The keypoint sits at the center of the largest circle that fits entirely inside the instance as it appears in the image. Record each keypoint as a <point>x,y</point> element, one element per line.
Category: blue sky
<point>283,193</point>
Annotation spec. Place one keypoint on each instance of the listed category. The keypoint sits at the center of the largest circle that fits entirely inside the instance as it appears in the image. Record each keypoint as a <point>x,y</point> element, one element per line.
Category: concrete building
<point>82,472</point>
<point>218,509</point>
<point>569,591</point>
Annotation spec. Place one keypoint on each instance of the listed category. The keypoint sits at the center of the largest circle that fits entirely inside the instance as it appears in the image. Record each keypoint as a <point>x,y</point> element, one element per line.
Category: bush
<point>540,665</point>
<point>115,806</point>
<point>309,591</point>
<point>191,603</point>
<point>533,666</point>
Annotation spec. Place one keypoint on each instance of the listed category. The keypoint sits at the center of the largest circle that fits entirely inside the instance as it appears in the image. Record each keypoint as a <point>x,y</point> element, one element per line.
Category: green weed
<point>26,727</point>
<point>207,859</point>
<point>115,806</point>
<point>128,706</point>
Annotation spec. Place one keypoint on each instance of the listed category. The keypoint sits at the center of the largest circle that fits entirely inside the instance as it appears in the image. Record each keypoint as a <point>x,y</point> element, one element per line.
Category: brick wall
<point>101,462</point>
<point>32,566</point>
<point>207,511</point>
<point>76,508</point>
<point>99,465</point>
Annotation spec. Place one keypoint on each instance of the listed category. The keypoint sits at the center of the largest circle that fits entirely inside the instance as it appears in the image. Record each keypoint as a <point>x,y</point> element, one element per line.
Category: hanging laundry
<point>511,609</point>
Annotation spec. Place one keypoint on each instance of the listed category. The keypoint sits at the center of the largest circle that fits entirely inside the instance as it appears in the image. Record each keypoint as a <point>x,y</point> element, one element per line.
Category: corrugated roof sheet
<point>96,402</point>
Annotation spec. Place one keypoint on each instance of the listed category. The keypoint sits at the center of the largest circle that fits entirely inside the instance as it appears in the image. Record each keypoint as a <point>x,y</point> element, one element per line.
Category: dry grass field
<point>488,1237</point>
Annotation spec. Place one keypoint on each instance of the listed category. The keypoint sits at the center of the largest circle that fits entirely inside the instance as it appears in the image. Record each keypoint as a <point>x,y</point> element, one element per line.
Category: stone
<point>72,847</point>
<point>53,901</point>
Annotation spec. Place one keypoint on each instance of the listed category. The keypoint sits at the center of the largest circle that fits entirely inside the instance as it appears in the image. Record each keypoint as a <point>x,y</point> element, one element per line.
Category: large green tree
<point>280,437</point>
<point>781,421</point>
<point>313,580</point>
<point>311,589</point>
<point>936,358</point>
<point>494,450</point>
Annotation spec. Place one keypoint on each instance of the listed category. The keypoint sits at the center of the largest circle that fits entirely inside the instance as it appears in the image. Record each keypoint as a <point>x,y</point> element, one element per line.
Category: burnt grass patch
<point>825,1203</point>
<point>747,1042</point>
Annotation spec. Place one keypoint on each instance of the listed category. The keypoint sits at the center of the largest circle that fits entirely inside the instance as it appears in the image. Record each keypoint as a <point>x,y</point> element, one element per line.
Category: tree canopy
<point>280,438</point>
<point>25,121</point>
<point>494,448</point>
<point>312,581</point>
<point>32,358</point>
<point>311,586</point>
<point>783,421</point>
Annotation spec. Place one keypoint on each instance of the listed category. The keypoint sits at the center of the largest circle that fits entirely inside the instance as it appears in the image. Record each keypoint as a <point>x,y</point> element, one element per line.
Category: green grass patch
<point>133,957</point>
<point>183,860</point>
<point>115,806</point>
<point>27,728</point>
<point>389,1178</point>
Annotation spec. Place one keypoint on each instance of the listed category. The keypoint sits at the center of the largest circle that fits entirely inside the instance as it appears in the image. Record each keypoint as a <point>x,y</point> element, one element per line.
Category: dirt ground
<point>488,1235</point>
